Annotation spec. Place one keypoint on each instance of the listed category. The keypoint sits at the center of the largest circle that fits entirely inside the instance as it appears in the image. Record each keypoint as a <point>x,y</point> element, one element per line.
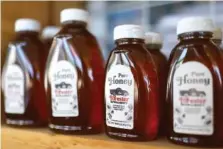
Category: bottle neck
<point>74,24</point>
<point>195,35</point>
<point>217,41</point>
<point>156,47</point>
<point>28,33</point>
<point>125,41</point>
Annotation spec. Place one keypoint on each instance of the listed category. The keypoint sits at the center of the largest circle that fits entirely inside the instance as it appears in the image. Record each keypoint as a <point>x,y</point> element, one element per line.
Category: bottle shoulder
<point>80,38</point>
<point>204,53</point>
<point>25,58</point>
<point>198,44</point>
<point>75,31</point>
<point>25,50</point>
<point>135,56</point>
<point>194,50</point>
<point>25,41</point>
<point>135,48</point>
<point>128,52</point>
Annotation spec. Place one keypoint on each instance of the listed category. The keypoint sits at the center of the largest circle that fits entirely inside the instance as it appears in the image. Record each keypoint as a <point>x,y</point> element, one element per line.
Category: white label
<point>119,94</point>
<point>64,90</point>
<point>14,90</point>
<point>193,99</point>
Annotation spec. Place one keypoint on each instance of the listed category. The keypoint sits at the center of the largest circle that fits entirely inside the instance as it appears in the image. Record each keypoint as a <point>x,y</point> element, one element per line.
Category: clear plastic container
<point>74,77</point>
<point>154,45</point>
<point>131,88</point>
<point>22,77</point>
<point>195,86</point>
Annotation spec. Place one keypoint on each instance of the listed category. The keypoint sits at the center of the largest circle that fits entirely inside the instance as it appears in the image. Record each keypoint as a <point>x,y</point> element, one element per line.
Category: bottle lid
<point>50,32</point>
<point>26,24</point>
<point>73,14</point>
<point>128,31</point>
<point>153,38</point>
<point>194,24</point>
<point>217,33</point>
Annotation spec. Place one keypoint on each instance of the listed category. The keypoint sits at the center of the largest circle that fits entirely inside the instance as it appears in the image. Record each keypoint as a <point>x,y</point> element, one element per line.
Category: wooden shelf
<point>14,138</point>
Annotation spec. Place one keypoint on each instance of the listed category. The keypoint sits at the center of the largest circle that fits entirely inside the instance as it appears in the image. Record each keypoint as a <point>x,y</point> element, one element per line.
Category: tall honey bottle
<point>131,88</point>
<point>22,77</point>
<point>154,44</point>
<point>74,77</point>
<point>195,104</point>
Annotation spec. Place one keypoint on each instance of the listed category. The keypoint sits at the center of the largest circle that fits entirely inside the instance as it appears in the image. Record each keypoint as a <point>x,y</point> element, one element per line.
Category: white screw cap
<point>50,32</point>
<point>217,33</point>
<point>74,14</point>
<point>128,31</point>
<point>194,24</point>
<point>153,38</point>
<point>26,24</point>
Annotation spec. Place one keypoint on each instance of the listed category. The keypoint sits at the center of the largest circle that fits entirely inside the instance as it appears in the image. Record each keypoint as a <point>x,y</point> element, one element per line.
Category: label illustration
<point>14,84</point>
<point>193,99</point>
<point>64,90</point>
<point>119,94</point>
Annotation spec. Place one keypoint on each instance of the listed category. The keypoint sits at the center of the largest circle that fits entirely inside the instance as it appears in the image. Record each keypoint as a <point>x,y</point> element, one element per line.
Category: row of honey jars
<point>74,80</point>
<point>133,96</point>
<point>75,84</point>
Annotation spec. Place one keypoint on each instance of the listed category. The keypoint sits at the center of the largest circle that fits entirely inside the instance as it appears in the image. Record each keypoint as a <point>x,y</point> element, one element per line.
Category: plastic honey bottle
<point>154,44</point>
<point>74,77</point>
<point>194,92</point>
<point>131,83</point>
<point>22,77</point>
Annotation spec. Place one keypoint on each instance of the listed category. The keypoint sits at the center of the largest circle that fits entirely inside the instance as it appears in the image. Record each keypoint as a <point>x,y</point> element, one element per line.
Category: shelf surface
<point>15,138</point>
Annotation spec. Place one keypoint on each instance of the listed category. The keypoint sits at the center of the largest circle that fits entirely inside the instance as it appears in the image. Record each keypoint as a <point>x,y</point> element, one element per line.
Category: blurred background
<point>158,16</point>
